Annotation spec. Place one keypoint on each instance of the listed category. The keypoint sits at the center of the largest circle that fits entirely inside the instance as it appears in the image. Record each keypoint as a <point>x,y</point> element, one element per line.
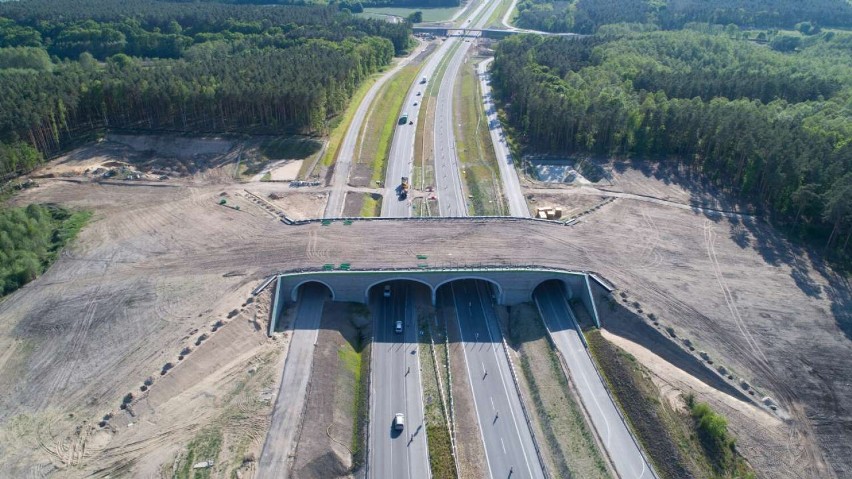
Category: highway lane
<point>508,442</point>
<point>396,387</point>
<point>401,156</point>
<point>623,451</point>
<point>343,165</point>
<point>286,416</point>
<point>448,180</point>
<point>508,173</point>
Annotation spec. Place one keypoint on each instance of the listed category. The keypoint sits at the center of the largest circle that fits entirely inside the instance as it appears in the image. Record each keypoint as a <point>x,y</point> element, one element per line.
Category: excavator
<point>402,189</point>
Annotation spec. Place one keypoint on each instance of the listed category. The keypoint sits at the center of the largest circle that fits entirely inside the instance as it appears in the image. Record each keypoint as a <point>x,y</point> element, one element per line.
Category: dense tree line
<point>780,138</point>
<point>30,239</point>
<point>587,16</point>
<point>207,67</point>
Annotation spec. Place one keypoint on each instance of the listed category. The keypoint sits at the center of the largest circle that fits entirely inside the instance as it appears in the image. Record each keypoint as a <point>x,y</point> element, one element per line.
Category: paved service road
<point>286,417</point>
<point>508,442</point>
<point>343,165</point>
<point>508,173</point>
<point>623,450</point>
<point>395,388</point>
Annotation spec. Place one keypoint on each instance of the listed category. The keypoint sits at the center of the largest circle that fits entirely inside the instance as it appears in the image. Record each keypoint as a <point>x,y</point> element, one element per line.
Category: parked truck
<point>402,189</point>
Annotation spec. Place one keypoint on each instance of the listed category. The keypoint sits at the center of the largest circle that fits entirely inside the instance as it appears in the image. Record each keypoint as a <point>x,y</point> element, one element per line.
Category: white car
<point>399,421</point>
<point>398,327</point>
<point>387,291</point>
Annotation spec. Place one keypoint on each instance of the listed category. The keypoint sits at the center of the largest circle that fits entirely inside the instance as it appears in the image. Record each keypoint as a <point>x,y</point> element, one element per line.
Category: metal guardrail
<point>611,397</point>
<point>524,407</point>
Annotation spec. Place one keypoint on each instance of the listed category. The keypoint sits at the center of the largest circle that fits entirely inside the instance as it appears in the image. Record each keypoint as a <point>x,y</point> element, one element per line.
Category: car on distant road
<point>399,421</point>
<point>418,93</point>
<point>387,291</point>
<point>398,327</point>
<point>415,103</point>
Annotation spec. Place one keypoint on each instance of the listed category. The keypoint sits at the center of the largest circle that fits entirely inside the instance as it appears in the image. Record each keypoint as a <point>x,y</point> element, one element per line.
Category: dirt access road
<point>158,265</point>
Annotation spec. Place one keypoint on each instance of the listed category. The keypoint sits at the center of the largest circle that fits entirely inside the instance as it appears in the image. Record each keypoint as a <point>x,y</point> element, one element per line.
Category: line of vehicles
<point>398,418</point>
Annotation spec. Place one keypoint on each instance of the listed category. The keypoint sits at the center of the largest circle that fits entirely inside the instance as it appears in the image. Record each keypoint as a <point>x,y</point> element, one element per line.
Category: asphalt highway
<point>508,173</point>
<point>508,442</point>
<point>623,451</point>
<point>286,416</point>
<point>343,165</point>
<point>448,176</point>
<point>400,161</point>
<point>396,388</point>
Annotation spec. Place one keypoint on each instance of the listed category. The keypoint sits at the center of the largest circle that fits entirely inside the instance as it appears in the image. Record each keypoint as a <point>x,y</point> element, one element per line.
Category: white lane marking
<point>503,444</point>
<point>470,381</point>
<point>503,382</point>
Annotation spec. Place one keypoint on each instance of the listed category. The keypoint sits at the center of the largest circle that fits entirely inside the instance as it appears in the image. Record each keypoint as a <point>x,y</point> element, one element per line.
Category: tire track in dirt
<point>797,450</point>
<point>709,242</point>
<point>79,335</point>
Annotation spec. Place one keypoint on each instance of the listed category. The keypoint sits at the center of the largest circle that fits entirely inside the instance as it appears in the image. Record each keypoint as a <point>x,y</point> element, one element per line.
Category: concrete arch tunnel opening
<point>395,284</point>
<point>496,289</point>
<point>554,283</point>
<point>298,289</point>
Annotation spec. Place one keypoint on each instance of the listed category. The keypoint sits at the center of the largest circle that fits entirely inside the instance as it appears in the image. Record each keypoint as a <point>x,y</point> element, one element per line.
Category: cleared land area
<point>329,432</point>
<point>124,300</point>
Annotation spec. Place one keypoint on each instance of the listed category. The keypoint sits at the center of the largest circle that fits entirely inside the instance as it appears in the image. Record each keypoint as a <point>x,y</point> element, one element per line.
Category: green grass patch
<point>569,445</point>
<point>429,14</point>
<point>297,148</point>
<point>204,447</point>
<point>677,443</point>
<point>372,205</point>
<point>355,360</point>
<point>441,460</point>
<point>476,154</point>
<point>496,18</point>
<point>31,239</point>
<point>383,120</point>
<point>340,124</point>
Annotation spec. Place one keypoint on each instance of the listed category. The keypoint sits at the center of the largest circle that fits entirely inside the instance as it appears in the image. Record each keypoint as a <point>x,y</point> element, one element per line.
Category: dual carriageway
<point>395,375</point>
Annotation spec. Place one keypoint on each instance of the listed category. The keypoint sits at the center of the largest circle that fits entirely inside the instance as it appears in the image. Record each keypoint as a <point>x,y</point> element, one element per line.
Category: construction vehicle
<point>402,189</point>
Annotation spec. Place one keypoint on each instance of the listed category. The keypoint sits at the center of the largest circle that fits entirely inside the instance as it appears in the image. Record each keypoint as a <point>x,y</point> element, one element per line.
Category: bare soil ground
<point>352,204</point>
<point>572,205</point>
<point>126,297</point>
<point>326,434</point>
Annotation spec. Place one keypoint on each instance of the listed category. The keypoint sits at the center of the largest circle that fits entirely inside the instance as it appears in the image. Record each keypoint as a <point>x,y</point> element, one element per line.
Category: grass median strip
<point>569,444</point>
<point>441,460</point>
<point>355,358</point>
<point>475,150</point>
<point>372,205</point>
<point>341,123</point>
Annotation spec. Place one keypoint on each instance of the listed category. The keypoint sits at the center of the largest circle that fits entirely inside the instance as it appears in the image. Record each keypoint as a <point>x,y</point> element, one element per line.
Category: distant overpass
<point>481,32</point>
<point>510,285</point>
